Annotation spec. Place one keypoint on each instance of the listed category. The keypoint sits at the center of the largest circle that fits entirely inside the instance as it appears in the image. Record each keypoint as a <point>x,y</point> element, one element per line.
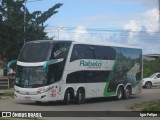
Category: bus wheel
<point>127,93</point>
<point>119,93</point>
<point>80,97</point>
<point>66,100</point>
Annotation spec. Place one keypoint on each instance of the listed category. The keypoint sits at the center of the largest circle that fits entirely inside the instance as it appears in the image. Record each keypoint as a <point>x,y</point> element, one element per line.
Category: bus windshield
<point>43,51</point>
<point>30,77</point>
<point>35,52</point>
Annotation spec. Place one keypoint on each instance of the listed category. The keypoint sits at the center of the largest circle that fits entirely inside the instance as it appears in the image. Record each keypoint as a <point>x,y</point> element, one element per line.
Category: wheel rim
<point>68,97</point>
<point>119,94</point>
<point>80,96</point>
<point>127,92</point>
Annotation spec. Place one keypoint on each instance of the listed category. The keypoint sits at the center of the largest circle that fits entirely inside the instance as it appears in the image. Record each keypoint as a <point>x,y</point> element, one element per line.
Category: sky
<point>119,22</point>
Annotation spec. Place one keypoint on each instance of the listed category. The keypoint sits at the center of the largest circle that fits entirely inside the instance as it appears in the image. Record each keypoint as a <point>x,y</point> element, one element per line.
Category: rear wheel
<point>148,85</point>
<point>80,97</point>
<point>119,93</point>
<point>67,95</point>
<point>127,93</point>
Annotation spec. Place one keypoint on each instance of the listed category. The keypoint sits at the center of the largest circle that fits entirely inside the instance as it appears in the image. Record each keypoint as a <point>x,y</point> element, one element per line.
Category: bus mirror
<point>10,64</point>
<point>49,62</point>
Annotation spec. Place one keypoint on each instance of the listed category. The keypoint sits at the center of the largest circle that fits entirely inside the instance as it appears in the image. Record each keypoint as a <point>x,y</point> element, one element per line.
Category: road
<point>98,104</point>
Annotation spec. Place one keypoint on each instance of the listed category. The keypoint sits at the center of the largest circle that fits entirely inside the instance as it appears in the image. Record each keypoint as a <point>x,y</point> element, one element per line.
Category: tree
<point>150,67</point>
<point>12,26</point>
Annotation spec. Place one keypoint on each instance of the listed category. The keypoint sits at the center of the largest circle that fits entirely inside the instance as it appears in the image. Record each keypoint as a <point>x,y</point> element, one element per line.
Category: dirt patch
<point>5,97</point>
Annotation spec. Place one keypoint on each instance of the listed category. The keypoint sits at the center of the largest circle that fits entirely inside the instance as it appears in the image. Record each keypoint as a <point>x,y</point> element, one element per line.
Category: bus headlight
<point>15,90</point>
<point>43,90</point>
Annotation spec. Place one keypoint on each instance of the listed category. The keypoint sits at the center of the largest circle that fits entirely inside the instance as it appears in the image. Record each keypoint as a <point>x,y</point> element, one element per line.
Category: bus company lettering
<point>89,63</point>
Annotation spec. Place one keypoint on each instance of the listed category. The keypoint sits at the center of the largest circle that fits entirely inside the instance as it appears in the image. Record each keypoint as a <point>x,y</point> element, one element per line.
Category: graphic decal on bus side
<point>98,64</point>
<point>53,92</point>
<point>88,64</point>
<point>126,69</point>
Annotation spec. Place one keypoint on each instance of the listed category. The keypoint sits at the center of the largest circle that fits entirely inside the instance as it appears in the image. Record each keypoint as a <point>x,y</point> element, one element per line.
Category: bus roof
<point>86,43</point>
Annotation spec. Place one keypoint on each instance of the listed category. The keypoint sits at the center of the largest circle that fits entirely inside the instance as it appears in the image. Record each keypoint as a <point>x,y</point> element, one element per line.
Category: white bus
<point>48,70</point>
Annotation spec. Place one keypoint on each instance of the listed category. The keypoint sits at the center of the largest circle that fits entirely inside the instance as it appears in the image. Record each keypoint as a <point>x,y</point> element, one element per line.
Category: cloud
<point>78,33</point>
<point>149,22</point>
<point>144,32</point>
<point>133,26</point>
<point>149,3</point>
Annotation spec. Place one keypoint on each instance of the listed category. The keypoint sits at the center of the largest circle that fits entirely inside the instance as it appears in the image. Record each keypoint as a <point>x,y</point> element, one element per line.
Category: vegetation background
<point>150,67</point>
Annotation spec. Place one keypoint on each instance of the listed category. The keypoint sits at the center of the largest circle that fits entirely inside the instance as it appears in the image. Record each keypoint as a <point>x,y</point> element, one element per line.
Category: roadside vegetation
<point>12,25</point>
<point>9,93</point>
<point>147,106</point>
<point>150,67</point>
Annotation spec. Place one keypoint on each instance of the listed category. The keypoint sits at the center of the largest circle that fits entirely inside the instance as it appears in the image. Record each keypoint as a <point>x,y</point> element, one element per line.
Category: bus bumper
<point>38,97</point>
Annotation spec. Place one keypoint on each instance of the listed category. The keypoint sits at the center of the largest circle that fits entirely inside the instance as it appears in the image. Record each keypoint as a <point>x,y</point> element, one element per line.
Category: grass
<point>147,106</point>
<point>9,93</point>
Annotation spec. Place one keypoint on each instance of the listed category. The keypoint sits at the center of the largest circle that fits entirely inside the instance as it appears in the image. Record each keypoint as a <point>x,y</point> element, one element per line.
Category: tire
<point>127,93</point>
<point>119,93</point>
<point>66,100</point>
<point>80,97</point>
<point>148,85</point>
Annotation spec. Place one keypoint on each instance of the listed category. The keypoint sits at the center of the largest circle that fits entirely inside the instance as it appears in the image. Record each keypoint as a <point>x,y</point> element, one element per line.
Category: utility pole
<point>159,12</point>
<point>25,21</point>
<point>59,31</point>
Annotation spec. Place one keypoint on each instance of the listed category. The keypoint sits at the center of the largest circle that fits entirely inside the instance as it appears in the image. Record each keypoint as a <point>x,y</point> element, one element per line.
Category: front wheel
<point>66,100</point>
<point>119,93</point>
<point>80,97</point>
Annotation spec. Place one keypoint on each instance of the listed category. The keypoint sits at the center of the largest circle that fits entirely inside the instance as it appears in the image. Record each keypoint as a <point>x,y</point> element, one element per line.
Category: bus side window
<point>74,55</point>
<point>82,52</point>
<point>105,53</point>
<point>78,53</point>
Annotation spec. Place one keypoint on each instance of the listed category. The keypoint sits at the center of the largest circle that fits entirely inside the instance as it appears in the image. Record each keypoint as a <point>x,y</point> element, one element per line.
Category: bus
<point>50,70</point>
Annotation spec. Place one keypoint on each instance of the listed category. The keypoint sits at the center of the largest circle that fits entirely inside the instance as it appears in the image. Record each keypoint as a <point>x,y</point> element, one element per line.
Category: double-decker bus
<point>48,70</point>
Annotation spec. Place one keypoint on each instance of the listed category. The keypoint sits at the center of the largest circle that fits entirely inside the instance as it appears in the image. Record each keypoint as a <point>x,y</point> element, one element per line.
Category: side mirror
<point>10,64</point>
<point>49,62</point>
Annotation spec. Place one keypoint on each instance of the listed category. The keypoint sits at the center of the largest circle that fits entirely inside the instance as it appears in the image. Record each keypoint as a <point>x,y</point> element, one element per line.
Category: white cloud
<point>133,27</point>
<point>141,31</point>
<point>79,33</point>
<point>144,32</point>
<point>149,22</point>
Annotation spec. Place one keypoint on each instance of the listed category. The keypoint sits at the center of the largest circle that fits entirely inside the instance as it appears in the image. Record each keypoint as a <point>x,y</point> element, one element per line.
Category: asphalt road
<point>98,104</point>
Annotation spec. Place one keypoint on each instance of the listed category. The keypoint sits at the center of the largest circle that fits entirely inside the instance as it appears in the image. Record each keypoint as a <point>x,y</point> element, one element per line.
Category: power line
<point>105,30</point>
<point>118,35</point>
<point>159,12</point>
